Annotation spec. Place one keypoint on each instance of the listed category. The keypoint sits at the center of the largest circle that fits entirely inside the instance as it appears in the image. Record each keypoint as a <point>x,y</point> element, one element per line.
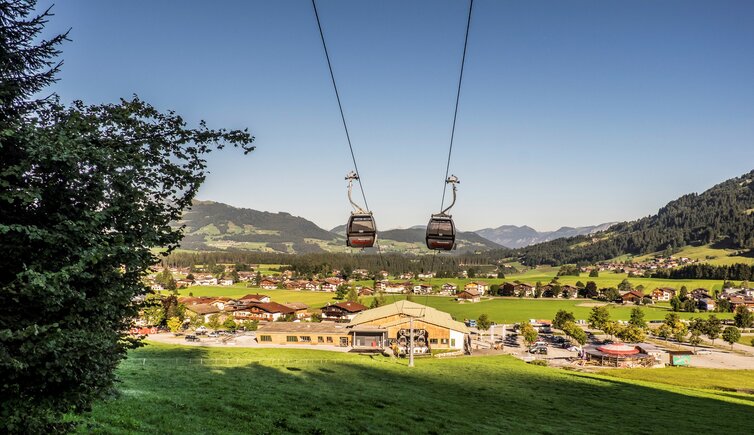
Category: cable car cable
<point>340,106</point>
<point>458,98</point>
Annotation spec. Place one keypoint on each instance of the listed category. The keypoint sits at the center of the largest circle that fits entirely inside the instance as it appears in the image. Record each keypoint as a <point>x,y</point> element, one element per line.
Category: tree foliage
<point>598,317</point>
<point>731,334</point>
<point>483,323</point>
<point>562,317</point>
<point>742,317</point>
<point>86,192</point>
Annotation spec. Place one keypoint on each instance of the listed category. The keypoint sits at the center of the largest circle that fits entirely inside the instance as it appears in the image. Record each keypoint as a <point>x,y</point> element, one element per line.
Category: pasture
<point>173,389</point>
<point>500,310</point>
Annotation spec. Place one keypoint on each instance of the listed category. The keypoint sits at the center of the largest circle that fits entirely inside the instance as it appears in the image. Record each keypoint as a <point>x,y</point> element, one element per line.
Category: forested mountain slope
<point>722,215</point>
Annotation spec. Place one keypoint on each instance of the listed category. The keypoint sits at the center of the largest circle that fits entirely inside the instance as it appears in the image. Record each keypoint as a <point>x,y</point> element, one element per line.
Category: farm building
<point>468,296</point>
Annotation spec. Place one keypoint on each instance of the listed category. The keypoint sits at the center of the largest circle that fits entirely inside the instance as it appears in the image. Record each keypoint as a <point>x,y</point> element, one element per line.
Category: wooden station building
<point>376,329</point>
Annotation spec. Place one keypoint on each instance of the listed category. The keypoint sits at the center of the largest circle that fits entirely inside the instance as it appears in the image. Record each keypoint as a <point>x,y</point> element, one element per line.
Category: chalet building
<point>706,304</point>
<point>268,284</point>
<point>569,292</point>
<point>269,311</point>
<point>469,296</point>
<point>395,288</point>
<point>746,301</point>
<point>328,287</point>
<point>548,291</point>
<point>663,294</point>
<point>205,280</point>
<point>448,289</point>
<point>312,286</point>
<point>699,294</point>
<point>183,283</point>
<point>366,291</point>
<point>204,311</point>
<point>480,286</point>
<point>391,325</point>
<point>253,298</point>
<point>376,329</point>
<point>524,290</point>
<point>422,289</point>
<point>300,310</point>
<point>632,297</point>
<point>342,311</point>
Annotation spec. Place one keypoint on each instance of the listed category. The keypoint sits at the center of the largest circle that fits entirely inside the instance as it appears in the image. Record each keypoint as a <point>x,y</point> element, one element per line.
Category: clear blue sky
<point>572,112</point>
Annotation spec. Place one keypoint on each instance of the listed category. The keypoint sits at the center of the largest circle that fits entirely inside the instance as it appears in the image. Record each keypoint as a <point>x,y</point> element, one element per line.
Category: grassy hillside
<point>212,226</point>
<point>706,254</point>
<point>166,390</point>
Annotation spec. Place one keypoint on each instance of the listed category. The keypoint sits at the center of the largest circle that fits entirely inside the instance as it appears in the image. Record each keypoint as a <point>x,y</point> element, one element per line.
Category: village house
<point>205,280</point>
<point>706,304</point>
<point>342,311</point>
<point>426,275</point>
<point>524,290</point>
<point>395,288</point>
<point>300,310</point>
<point>632,297</point>
<point>366,291</point>
<point>226,282</point>
<point>569,292</point>
<point>254,298</point>
<point>328,287</point>
<point>480,286</point>
<point>422,289</point>
<point>471,295</point>
<point>448,289</point>
<point>746,301</point>
<point>663,294</point>
<point>269,311</point>
<point>205,311</point>
<point>268,284</point>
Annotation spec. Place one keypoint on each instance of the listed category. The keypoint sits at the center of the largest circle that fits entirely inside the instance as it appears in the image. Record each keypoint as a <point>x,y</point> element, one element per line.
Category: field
<point>705,254</point>
<point>167,389</point>
<point>500,310</point>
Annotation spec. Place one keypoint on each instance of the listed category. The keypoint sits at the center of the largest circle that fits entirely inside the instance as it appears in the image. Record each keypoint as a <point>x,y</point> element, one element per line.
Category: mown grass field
<point>500,310</point>
<point>706,254</point>
<point>165,389</point>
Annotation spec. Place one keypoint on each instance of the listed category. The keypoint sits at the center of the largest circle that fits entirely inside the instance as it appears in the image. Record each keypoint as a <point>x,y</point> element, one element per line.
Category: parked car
<point>541,350</point>
<point>703,352</point>
<point>192,338</point>
<point>213,334</point>
<point>572,349</point>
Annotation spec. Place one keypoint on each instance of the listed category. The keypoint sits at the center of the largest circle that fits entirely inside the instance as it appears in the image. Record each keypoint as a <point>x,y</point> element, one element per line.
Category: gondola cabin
<point>361,231</point>
<point>441,233</point>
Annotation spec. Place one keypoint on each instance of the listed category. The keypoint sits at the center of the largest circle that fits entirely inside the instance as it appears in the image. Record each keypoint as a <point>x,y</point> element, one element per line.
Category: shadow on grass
<point>353,394</point>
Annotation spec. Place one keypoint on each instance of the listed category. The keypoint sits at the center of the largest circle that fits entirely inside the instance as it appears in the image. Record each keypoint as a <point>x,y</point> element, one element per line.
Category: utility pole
<point>411,342</point>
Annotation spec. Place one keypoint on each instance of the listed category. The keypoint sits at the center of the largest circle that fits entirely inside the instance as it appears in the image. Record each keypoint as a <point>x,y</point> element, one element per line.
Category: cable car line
<point>458,98</point>
<point>340,106</point>
<point>441,231</point>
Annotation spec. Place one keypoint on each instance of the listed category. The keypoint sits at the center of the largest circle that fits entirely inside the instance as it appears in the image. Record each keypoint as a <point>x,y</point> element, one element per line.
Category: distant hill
<point>517,237</point>
<point>722,216</point>
<point>212,226</point>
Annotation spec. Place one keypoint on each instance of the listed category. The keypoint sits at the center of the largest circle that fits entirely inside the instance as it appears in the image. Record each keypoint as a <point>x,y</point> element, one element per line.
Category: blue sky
<point>572,112</point>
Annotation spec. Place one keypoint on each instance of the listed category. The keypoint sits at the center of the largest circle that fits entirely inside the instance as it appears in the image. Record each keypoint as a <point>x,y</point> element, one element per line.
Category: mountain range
<point>513,236</point>
<point>212,226</point>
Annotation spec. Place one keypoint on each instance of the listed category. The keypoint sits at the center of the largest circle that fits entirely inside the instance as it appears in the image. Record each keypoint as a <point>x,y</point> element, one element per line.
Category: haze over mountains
<point>513,236</point>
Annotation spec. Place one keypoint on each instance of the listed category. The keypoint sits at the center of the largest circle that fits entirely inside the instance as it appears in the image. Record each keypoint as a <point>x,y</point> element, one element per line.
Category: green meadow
<point>173,389</point>
<point>501,310</point>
